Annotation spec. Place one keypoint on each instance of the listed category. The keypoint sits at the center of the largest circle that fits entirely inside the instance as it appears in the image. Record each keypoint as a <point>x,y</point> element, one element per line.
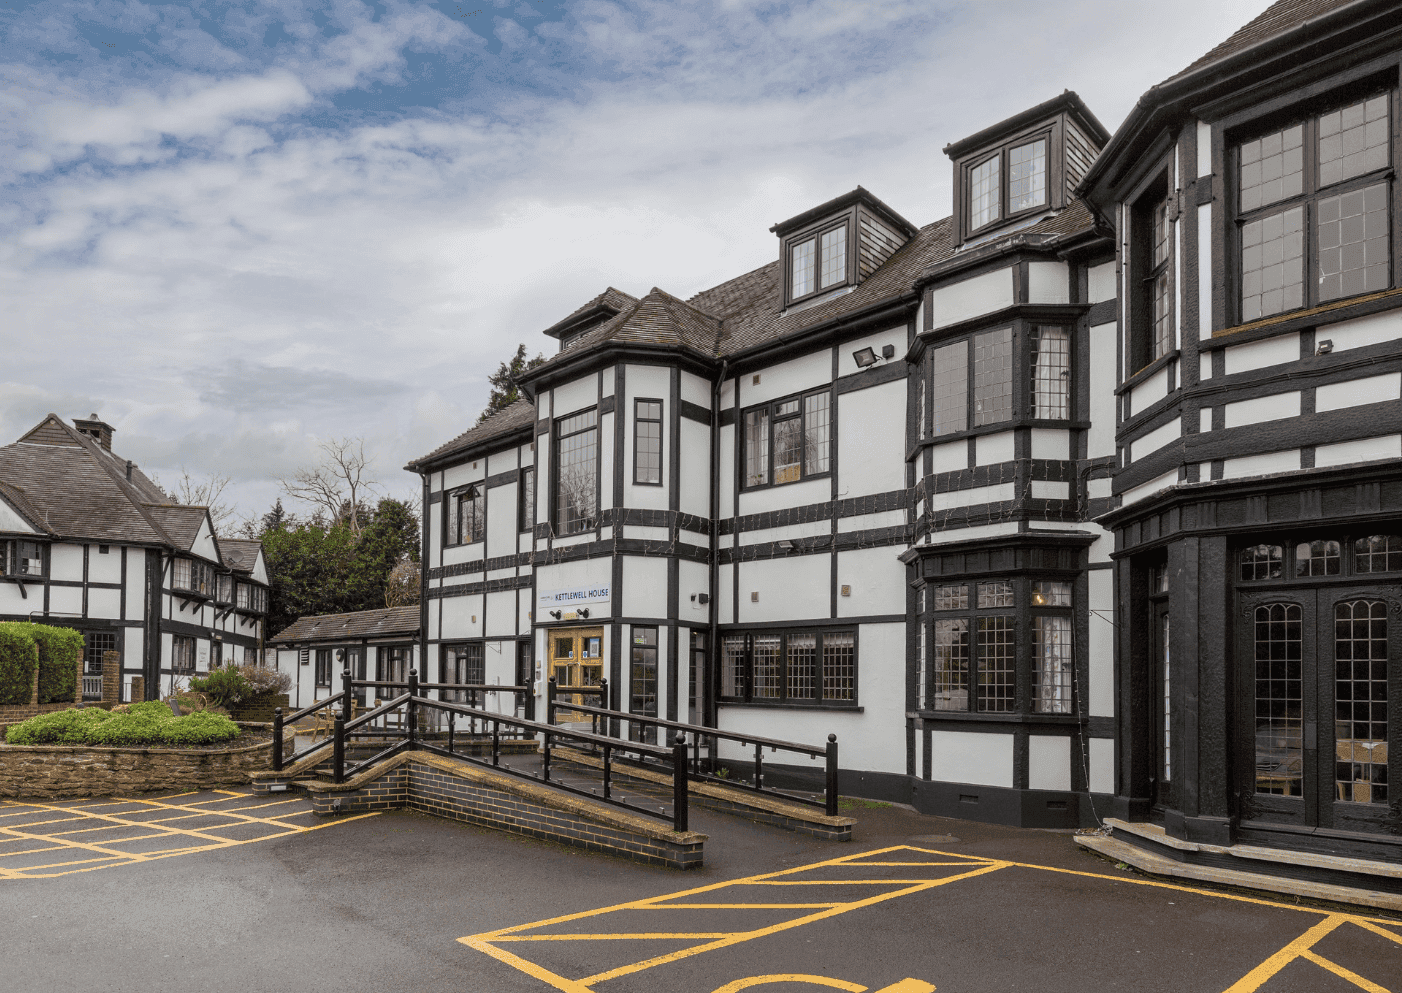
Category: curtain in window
<point>1051,651</point>
<point>757,447</point>
<point>1051,372</point>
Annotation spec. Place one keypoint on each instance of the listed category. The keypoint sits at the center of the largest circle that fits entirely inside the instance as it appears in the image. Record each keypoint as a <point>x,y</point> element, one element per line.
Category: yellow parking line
<point>620,936</point>
<point>1343,973</point>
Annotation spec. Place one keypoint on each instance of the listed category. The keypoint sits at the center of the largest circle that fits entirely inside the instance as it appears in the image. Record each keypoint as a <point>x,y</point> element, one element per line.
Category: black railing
<point>413,703</point>
<point>279,722</point>
<point>714,736</point>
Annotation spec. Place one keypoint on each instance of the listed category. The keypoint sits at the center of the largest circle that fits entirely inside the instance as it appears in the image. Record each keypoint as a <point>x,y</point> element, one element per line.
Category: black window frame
<point>93,653</point>
<point>1306,113</point>
<point>815,233</point>
<point>1045,133</point>
<point>587,523</point>
<point>660,421</point>
<point>468,658</point>
<point>820,700</point>
<point>183,661</point>
<point>10,556</point>
<point>1151,203</point>
<point>1290,564</point>
<point>643,679</point>
<point>1022,397</point>
<point>1024,610</point>
<point>202,577</point>
<point>325,664</point>
<point>454,502</point>
<point>771,421</point>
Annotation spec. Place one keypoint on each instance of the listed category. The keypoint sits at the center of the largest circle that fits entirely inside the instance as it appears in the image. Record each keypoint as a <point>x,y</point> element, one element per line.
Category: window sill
<point>1148,371</point>
<point>791,482</point>
<point>788,705</point>
<point>1008,718</point>
<point>1300,320</point>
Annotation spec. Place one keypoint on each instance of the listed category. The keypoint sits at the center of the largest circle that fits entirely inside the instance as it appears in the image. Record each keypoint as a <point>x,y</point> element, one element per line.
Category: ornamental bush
<point>149,723</point>
<point>260,679</point>
<point>19,657</point>
<point>224,685</point>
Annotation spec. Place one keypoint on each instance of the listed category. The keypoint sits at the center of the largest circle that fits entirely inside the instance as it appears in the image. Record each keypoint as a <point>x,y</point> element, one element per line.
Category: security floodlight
<point>864,357</point>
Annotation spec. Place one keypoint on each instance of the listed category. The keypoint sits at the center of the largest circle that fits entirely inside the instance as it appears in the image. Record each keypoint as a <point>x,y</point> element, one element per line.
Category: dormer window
<point>818,262</point>
<point>1023,166</point>
<point>837,244</point>
<point>997,193</point>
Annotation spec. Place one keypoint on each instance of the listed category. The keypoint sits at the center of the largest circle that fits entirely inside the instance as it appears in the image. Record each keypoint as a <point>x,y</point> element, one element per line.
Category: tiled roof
<point>514,417</point>
<point>360,624</point>
<point>240,554</point>
<point>610,299</point>
<point>77,490</point>
<point>752,312</point>
<point>17,499</point>
<point>1278,17</point>
<point>181,523</point>
<point>80,491</point>
<point>657,319</point>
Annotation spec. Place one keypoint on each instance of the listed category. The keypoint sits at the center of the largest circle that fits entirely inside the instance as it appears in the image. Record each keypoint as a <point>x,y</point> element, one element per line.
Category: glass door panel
<point>1362,657</point>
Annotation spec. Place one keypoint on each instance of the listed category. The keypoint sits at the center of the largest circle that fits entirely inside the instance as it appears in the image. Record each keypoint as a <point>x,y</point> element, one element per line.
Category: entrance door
<point>1313,675</point>
<point>576,659</point>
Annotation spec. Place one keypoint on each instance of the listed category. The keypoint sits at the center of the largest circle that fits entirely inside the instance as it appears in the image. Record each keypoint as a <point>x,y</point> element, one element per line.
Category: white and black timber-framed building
<point>88,541</point>
<point>934,488</point>
<point>1258,411</point>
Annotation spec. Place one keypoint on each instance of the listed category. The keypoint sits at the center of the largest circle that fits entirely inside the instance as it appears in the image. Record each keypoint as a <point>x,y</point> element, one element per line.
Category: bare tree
<point>208,493</point>
<point>337,485</point>
<point>402,587</point>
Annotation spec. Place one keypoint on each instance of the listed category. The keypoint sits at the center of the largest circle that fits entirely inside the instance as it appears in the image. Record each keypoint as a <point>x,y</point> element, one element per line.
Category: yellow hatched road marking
<point>490,942</point>
<point>107,855</point>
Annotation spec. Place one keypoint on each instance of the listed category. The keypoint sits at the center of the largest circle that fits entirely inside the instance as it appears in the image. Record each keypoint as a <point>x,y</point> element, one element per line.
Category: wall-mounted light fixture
<point>1325,347</point>
<point>554,613</point>
<point>888,351</point>
<point>864,357</point>
<point>786,545</point>
<point>583,613</point>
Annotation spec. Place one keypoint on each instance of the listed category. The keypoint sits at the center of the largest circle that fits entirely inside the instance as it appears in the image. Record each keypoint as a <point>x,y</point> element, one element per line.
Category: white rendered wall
<point>1048,762</point>
<point>895,337</point>
<point>1048,282</point>
<point>806,372</point>
<point>976,757</point>
<point>877,581</point>
<point>1102,642</point>
<point>792,588</point>
<point>871,440</point>
<point>972,297</point>
<point>644,586</point>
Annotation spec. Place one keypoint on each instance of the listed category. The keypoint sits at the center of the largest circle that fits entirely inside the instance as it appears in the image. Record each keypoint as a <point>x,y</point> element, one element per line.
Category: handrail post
<point>412,708</point>
<point>608,772</point>
<point>831,797</point>
<point>550,691</point>
<point>338,753</point>
<point>603,704</point>
<point>452,721</point>
<point>348,696</point>
<point>679,788</point>
<point>277,739</point>
<point>759,767</point>
<point>496,741</point>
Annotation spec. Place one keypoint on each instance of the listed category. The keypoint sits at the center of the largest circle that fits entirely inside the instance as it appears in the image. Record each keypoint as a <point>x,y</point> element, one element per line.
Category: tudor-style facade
<point>1258,491</point>
<point>374,644</point>
<point>733,507</point>
<point>88,541</point>
<point>1009,502</point>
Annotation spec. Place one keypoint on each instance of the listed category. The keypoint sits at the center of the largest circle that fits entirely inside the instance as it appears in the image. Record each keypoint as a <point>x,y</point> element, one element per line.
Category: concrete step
<point>1225,866</point>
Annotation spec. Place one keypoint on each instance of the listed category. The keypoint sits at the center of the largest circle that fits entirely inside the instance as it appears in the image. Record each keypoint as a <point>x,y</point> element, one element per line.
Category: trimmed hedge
<point>60,651</point>
<point>149,723</point>
<point>19,657</point>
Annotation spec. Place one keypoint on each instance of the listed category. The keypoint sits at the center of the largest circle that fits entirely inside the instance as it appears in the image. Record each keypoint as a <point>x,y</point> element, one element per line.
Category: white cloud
<point>231,268</point>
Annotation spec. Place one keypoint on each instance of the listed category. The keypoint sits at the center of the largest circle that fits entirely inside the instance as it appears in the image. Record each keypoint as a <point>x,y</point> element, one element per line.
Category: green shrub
<point>60,651</point>
<point>200,728</point>
<point>149,723</point>
<point>224,685</point>
<point>64,727</point>
<point>261,679</point>
<point>19,657</point>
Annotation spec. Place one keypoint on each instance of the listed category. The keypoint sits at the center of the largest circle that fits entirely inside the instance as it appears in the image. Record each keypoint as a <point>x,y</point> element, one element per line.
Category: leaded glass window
<point>647,450</point>
<point>1360,701</point>
<point>1049,349</point>
<point>984,181</point>
<point>1279,693</point>
<point>1378,553</point>
<point>1027,176</point>
<point>951,394</point>
<point>834,256</point>
<point>788,440</point>
<point>576,472</point>
<point>1317,558</point>
<point>1262,562</point>
<point>993,376</point>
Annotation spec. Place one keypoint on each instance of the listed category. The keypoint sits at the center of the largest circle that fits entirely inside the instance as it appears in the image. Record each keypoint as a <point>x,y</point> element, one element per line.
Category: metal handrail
<point>698,732</point>
<point>279,722</point>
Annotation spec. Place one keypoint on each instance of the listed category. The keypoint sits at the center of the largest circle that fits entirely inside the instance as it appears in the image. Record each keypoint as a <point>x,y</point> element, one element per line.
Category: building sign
<point>598,593</point>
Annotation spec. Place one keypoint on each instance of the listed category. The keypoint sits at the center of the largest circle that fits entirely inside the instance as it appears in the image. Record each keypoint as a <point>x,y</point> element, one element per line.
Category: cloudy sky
<point>236,229</point>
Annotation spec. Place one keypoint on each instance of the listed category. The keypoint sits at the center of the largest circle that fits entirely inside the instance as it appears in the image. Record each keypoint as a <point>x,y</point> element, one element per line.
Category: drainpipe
<point>710,715</point>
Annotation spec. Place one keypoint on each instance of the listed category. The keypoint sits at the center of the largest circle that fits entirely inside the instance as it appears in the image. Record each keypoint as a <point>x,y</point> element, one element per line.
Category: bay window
<point>21,558</point>
<point>1313,209</point>
<point>976,629</point>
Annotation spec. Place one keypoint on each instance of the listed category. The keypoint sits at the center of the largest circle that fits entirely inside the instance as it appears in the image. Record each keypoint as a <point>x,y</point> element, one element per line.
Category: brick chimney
<point>96,429</point>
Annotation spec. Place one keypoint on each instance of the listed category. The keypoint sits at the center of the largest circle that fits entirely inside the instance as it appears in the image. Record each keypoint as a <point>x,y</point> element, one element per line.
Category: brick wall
<point>260,708</point>
<point>433,785</point>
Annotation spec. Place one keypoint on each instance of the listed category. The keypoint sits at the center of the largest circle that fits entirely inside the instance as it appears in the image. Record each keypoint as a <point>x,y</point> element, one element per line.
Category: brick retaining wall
<point>52,772</point>
<point>446,788</point>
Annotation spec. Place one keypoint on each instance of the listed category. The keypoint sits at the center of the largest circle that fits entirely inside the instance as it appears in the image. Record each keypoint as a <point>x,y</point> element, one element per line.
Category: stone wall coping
<point>546,797</point>
<point>143,750</point>
<point>731,794</point>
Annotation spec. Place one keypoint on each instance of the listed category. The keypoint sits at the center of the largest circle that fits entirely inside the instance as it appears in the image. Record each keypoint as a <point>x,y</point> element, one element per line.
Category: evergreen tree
<point>503,382</point>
